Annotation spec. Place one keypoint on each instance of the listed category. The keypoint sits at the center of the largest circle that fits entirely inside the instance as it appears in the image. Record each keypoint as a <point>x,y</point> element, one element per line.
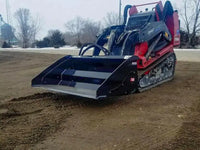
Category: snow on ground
<point>186,50</point>
<point>192,55</point>
<point>51,50</point>
<point>182,54</point>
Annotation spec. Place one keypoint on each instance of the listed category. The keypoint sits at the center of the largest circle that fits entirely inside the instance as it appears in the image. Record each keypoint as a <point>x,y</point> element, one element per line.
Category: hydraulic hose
<point>126,13</point>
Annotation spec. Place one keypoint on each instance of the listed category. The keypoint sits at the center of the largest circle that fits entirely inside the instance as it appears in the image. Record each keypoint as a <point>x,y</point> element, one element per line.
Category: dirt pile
<point>28,120</point>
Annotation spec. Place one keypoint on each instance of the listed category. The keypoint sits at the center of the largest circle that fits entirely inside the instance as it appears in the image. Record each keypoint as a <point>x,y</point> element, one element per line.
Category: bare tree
<point>36,26</point>
<point>191,18</point>
<point>90,31</point>
<point>80,31</point>
<point>68,38</point>
<point>27,27</point>
<point>111,19</point>
<point>75,27</point>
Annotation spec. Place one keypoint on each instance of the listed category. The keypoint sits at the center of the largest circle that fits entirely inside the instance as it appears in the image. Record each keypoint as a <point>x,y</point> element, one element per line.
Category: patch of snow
<point>188,50</point>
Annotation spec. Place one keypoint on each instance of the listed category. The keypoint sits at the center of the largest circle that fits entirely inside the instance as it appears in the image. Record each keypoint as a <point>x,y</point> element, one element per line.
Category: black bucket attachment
<point>91,77</point>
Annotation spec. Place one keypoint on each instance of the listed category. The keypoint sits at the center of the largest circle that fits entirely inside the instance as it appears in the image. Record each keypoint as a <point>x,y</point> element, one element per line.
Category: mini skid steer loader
<point>138,55</point>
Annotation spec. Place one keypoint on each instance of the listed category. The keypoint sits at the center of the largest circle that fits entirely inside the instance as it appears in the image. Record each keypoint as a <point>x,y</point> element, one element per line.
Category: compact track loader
<point>137,55</point>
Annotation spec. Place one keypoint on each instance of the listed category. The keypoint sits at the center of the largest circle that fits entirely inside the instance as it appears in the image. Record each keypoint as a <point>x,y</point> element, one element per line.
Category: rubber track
<point>140,73</point>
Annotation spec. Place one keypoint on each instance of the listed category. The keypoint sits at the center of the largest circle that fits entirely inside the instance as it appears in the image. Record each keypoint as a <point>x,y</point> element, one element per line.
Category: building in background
<point>7,35</point>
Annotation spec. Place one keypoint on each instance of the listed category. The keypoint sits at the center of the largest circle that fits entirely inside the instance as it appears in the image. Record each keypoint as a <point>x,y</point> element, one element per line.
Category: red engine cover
<point>141,49</point>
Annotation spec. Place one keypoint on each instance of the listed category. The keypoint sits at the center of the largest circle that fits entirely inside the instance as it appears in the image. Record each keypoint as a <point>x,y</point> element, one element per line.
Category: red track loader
<point>138,55</point>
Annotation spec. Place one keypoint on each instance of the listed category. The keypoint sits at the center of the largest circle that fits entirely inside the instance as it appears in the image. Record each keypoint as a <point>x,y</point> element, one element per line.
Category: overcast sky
<point>54,14</point>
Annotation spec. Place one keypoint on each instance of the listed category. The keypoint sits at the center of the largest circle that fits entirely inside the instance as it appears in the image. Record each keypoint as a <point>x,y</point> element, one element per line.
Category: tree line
<point>79,31</point>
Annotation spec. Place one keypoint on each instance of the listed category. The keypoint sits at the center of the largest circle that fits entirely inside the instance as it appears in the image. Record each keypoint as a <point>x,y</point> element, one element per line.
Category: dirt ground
<point>165,117</point>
